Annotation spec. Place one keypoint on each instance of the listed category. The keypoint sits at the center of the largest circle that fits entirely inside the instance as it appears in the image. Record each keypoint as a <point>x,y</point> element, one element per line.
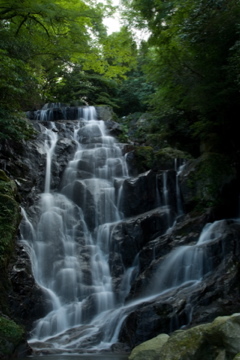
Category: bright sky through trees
<point>113,23</point>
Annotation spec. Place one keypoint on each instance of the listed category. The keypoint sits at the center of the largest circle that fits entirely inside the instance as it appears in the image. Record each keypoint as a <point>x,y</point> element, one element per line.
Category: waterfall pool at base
<point>79,357</point>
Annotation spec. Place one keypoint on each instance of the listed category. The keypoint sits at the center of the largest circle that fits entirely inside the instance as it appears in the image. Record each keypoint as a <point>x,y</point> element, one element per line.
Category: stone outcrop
<point>209,181</point>
<point>13,342</point>
<point>12,336</point>
<point>211,341</point>
<point>149,350</point>
<point>9,222</point>
<point>26,299</point>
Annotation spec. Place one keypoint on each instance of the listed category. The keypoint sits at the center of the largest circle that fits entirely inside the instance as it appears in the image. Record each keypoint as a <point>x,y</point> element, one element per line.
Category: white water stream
<point>69,245</point>
<point>69,255</point>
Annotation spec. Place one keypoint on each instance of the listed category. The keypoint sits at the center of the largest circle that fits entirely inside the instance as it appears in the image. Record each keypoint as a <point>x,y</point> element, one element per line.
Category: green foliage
<point>78,84</point>
<point>168,154</point>
<point>9,221</point>
<point>123,137</point>
<point>192,57</point>
<point>11,336</point>
<point>14,126</point>
<point>134,93</point>
<point>211,174</point>
<point>42,43</point>
<point>144,156</point>
<point>57,51</point>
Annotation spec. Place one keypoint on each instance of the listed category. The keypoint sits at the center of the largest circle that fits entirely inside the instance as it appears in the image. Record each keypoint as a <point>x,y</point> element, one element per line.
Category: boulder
<point>139,194</point>
<point>13,342</point>
<point>218,340</point>
<point>187,345</point>
<point>26,299</point>
<point>113,128</point>
<point>149,350</point>
<point>129,237</point>
<point>224,332</point>
<point>105,112</point>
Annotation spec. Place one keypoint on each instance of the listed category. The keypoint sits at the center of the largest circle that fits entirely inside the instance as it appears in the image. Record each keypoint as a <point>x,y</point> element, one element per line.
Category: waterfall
<point>50,144</point>
<point>70,237</point>
<point>191,263</point>
<point>69,243</point>
<point>178,195</point>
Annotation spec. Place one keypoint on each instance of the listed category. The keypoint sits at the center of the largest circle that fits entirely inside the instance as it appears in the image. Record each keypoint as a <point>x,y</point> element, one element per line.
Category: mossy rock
<point>187,345</point>
<point>9,221</point>
<point>12,337</point>
<point>147,158</point>
<point>219,340</point>
<point>7,186</point>
<point>144,158</point>
<point>165,158</point>
<point>3,176</point>
<point>204,182</point>
<point>149,350</point>
<point>224,332</point>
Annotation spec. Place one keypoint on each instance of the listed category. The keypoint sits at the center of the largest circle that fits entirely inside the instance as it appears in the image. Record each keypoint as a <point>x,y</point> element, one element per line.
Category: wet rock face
<point>55,112</point>
<point>13,342</point>
<point>105,113</point>
<point>210,181</point>
<point>217,294</point>
<point>9,221</point>
<point>27,300</point>
<point>139,194</point>
<point>129,237</point>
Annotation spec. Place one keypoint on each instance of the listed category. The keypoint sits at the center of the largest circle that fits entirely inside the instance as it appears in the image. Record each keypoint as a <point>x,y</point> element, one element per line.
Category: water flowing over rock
<point>115,261</point>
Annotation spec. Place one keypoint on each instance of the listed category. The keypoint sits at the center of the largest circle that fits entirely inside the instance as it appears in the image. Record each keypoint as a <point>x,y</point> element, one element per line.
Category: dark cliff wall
<point>12,336</point>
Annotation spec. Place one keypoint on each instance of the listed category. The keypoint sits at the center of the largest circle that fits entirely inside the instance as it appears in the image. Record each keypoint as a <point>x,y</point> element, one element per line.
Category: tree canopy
<point>44,43</point>
<point>187,73</point>
<point>193,59</point>
<point>41,41</point>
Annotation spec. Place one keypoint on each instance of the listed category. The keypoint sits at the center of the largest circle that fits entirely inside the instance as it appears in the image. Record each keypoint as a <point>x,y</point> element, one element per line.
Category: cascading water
<point>69,251</point>
<point>191,262</point>
<point>69,244</point>
<point>178,171</point>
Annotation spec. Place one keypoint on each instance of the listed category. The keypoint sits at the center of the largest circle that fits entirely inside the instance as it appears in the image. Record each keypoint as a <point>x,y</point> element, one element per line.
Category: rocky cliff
<point>163,209</point>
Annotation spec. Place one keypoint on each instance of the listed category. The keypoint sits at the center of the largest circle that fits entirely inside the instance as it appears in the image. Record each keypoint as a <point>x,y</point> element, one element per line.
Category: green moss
<point>11,336</point>
<point>149,349</point>
<point>144,156</point>
<point>170,153</point>
<point>188,344</point>
<point>3,176</point>
<point>9,221</point>
<point>14,126</point>
<point>7,186</point>
<point>147,158</point>
<point>212,173</point>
